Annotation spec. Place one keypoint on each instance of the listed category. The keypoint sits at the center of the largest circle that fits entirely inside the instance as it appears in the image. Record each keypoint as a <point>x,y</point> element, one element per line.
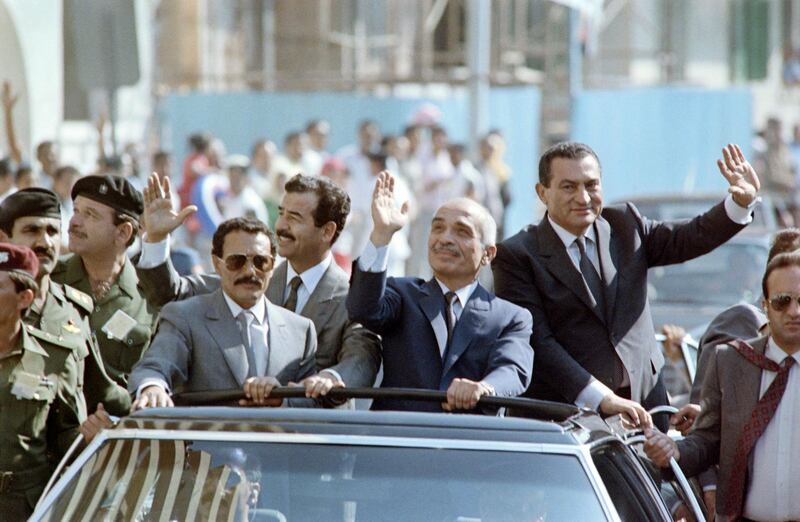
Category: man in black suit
<point>582,273</point>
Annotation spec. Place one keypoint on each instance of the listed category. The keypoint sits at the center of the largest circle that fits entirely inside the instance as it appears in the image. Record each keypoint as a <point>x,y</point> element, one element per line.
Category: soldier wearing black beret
<point>38,382</point>
<point>32,218</point>
<point>105,223</point>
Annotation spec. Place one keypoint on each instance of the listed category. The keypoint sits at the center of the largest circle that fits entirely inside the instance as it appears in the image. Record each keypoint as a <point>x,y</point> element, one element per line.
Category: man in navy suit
<point>448,333</point>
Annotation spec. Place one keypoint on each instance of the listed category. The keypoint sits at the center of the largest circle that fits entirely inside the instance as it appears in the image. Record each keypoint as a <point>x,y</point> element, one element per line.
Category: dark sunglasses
<point>236,262</point>
<point>781,302</point>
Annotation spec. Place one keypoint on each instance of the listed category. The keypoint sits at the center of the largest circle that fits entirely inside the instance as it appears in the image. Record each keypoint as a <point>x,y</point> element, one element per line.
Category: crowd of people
<point>329,270</point>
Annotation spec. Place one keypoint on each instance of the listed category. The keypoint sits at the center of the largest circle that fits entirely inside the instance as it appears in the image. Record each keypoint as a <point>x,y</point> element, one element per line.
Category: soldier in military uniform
<point>105,224</point>
<point>38,381</point>
<point>32,218</point>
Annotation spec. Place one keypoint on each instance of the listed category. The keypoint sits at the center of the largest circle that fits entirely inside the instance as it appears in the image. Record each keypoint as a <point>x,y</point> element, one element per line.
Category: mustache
<point>74,231</point>
<point>44,252</point>
<point>284,233</point>
<point>447,249</point>
<point>247,280</point>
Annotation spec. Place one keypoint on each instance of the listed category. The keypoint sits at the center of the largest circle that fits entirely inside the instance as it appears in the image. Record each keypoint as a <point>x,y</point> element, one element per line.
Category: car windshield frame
<point>581,452</point>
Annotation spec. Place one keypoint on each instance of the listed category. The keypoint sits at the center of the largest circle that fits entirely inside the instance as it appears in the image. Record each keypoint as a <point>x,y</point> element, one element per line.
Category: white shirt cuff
<point>334,373</point>
<point>592,395</point>
<point>374,259</point>
<point>710,487</point>
<point>154,254</point>
<point>152,382</point>
<point>737,214</point>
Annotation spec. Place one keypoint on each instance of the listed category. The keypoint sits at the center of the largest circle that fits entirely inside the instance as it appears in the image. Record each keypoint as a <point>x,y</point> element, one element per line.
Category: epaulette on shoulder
<point>81,299</point>
<point>49,338</point>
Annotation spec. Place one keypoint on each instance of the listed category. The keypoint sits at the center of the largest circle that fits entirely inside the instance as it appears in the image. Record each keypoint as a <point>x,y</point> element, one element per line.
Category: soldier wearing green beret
<point>104,225</point>
<point>32,218</point>
<point>38,382</point>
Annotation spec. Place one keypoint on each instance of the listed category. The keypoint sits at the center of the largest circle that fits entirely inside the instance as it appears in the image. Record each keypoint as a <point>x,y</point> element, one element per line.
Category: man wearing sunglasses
<point>232,337</point>
<point>749,406</point>
<point>312,215</point>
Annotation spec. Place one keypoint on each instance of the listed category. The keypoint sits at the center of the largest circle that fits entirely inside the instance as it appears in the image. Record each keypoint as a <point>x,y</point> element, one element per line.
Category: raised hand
<point>8,98</point>
<point>742,178</point>
<point>160,219</point>
<point>387,218</point>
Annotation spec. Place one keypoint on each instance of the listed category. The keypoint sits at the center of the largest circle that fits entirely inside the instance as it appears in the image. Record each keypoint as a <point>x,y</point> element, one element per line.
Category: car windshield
<point>728,275</point>
<point>202,480</point>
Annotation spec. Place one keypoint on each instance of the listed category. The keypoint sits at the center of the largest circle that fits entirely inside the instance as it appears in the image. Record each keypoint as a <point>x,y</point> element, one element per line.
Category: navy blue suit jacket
<point>490,340</point>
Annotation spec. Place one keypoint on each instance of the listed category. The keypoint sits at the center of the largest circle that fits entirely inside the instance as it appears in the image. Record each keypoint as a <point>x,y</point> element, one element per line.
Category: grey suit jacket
<point>198,346</point>
<point>342,345</point>
<point>730,393</point>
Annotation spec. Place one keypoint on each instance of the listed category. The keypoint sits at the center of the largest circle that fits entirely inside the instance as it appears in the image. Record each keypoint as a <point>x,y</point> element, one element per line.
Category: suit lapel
<point>607,252</point>
<point>223,328</point>
<point>558,263</point>
<point>277,285</point>
<point>318,304</point>
<point>469,323</point>
<point>432,304</point>
<point>279,341</point>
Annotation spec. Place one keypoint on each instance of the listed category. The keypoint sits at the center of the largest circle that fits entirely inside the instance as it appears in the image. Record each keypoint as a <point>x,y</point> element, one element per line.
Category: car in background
<point>669,207</point>
<point>282,464</point>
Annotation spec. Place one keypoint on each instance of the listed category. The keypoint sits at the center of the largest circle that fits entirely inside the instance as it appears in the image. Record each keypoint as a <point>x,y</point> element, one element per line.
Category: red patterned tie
<point>759,419</point>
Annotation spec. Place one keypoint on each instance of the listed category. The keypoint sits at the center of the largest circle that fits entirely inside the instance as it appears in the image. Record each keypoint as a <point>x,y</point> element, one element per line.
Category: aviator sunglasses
<point>781,302</point>
<point>235,262</point>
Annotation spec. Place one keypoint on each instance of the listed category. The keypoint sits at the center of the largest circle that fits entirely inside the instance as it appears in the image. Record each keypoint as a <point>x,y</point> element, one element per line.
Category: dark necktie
<point>450,316</point>
<point>759,420</point>
<point>591,277</point>
<point>291,301</point>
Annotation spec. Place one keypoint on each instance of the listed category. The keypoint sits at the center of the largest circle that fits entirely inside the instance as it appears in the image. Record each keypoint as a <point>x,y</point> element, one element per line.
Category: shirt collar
<point>568,238</point>
<point>312,276</point>
<point>776,353</point>
<point>259,309</point>
<point>462,293</point>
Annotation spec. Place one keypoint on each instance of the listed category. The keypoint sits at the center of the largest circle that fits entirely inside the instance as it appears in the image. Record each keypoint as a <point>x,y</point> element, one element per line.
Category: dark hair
<point>5,168</point>
<point>779,261</point>
<point>333,203</point>
<point>438,130</point>
<point>66,170</point>
<point>567,150</point>
<point>410,129</point>
<point>200,141</point>
<point>23,282</point>
<point>291,137</point>
<point>43,145</point>
<point>249,225</point>
<point>379,158</point>
<point>22,170</point>
<point>160,155</point>
<point>120,218</point>
<point>786,240</point>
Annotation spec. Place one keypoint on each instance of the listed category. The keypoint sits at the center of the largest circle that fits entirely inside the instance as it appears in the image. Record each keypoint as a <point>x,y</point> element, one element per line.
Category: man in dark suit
<point>231,338</point>
<point>312,214</point>
<point>582,273</point>
<point>749,406</point>
<point>448,333</point>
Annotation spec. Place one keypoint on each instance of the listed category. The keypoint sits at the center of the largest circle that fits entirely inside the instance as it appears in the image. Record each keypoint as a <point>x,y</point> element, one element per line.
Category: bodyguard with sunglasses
<point>231,338</point>
<point>749,409</point>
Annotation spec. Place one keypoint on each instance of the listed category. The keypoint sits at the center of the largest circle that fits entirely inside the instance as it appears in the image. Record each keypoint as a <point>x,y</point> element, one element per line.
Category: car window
<point>727,275</point>
<point>178,480</point>
<point>628,491</point>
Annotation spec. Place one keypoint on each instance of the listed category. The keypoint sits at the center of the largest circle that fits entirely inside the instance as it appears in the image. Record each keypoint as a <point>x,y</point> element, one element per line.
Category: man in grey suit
<point>232,337</point>
<point>749,403</point>
<point>312,214</point>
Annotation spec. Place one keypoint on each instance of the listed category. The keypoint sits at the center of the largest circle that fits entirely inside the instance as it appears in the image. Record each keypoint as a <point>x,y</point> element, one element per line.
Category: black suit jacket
<point>572,341</point>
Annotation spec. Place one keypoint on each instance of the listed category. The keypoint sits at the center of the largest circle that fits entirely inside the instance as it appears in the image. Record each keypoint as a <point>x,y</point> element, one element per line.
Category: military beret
<point>33,202</point>
<point>113,191</point>
<point>19,259</point>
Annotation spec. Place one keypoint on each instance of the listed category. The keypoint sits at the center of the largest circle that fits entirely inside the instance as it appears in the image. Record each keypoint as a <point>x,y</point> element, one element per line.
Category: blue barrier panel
<point>239,119</point>
<point>662,139</point>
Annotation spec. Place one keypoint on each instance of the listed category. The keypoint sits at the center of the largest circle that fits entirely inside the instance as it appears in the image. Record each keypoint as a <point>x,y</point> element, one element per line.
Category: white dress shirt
<point>310,278</point>
<point>594,392</point>
<point>776,455</point>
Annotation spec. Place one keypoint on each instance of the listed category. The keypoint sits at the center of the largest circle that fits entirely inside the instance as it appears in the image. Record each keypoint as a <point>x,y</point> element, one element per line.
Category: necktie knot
<point>295,283</point>
<point>451,297</point>
<point>581,242</point>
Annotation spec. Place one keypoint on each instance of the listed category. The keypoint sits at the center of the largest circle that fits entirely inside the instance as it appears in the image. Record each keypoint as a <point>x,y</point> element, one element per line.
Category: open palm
<point>160,218</point>
<point>742,178</point>
<point>387,217</point>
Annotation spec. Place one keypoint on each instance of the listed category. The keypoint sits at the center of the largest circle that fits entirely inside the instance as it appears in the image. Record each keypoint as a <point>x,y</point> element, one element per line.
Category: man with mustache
<point>447,333</point>
<point>104,225</point>
<point>311,216</point>
<point>232,337</point>
<point>32,218</point>
<point>582,273</point>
